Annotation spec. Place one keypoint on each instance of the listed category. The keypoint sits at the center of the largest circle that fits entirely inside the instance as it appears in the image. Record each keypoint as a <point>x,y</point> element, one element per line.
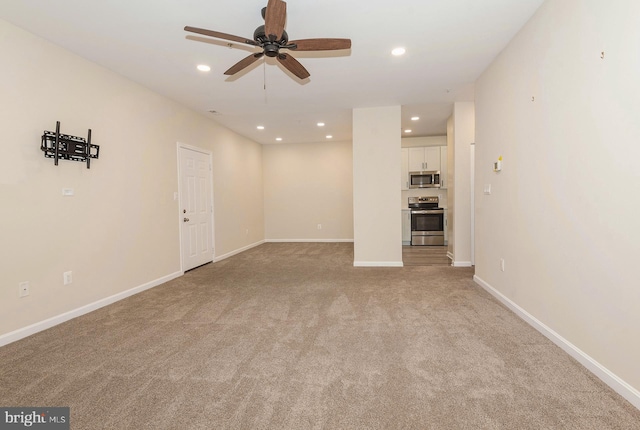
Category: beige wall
<point>120,230</point>
<point>238,189</point>
<point>563,212</point>
<point>377,222</point>
<point>306,185</point>
<point>463,135</point>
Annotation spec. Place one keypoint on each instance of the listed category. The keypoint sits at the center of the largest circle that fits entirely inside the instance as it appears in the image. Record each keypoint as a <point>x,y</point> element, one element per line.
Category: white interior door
<point>196,208</point>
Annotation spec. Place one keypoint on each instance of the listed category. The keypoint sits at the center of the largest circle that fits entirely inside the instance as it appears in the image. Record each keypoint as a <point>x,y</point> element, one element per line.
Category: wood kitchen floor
<point>425,256</point>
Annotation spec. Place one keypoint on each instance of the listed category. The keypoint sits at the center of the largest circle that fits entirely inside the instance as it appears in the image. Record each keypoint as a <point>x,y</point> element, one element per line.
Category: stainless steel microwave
<point>424,179</point>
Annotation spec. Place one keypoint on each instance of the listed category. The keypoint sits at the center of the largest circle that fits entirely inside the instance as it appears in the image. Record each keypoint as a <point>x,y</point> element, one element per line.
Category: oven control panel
<point>425,199</point>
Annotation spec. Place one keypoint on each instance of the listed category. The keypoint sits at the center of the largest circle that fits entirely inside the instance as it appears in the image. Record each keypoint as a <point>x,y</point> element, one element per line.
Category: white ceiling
<point>449,43</point>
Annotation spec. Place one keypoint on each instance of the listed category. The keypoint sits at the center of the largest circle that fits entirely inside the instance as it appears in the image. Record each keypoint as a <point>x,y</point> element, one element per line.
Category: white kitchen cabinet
<point>404,170</point>
<point>406,227</point>
<point>443,167</point>
<point>424,158</point>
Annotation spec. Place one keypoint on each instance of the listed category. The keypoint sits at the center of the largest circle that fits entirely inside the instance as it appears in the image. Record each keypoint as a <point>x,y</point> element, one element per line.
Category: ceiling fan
<point>272,37</point>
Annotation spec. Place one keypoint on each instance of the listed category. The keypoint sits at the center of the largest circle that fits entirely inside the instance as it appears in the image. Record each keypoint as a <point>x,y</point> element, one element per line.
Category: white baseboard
<point>309,240</point>
<point>237,251</point>
<point>616,383</point>
<point>461,263</point>
<point>21,333</point>
<point>378,264</point>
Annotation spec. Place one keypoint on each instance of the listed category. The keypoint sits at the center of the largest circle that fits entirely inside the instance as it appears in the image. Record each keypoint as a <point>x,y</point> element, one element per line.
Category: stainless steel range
<point>427,221</point>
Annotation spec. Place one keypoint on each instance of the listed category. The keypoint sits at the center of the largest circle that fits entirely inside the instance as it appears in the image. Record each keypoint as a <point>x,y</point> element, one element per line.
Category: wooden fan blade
<point>219,35</point>
<point>293,66</point>
<point>321,44</point>
<point>245,62</point>
<point>274,19</point>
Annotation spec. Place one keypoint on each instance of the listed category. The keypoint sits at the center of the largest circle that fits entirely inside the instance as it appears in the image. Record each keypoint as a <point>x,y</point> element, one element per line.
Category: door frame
<point>472,164</point>
<point>179,146</point>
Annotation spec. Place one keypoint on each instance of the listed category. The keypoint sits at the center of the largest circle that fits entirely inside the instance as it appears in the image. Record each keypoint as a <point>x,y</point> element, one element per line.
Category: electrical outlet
<point>319,226</point>
<point>246,232</point>
<point>502,264</point>
<point>23,289</point>
<point>67,277</point>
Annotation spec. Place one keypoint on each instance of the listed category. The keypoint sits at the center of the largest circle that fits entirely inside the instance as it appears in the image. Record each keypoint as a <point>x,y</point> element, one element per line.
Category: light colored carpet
<point>292,336</point>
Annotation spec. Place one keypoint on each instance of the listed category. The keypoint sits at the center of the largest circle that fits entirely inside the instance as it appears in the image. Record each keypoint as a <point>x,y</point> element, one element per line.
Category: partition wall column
<point>377,222</point>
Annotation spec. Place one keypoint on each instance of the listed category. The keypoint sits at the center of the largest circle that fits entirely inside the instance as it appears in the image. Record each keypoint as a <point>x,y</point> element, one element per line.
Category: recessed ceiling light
<point>260,127</point>
<point>204,68</point>
<point>321,124</point>
<point>329,136</point>
<point>398,51</point>
<point>279,139</point>
<point>415,118</point>
<point>408,130</point>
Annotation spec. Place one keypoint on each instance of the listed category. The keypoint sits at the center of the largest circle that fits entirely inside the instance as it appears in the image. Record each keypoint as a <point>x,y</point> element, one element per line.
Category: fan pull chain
<point>264,79</point>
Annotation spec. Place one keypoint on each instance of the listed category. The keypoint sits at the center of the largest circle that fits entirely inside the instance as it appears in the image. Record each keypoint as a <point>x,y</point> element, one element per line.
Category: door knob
<point>186,220</point>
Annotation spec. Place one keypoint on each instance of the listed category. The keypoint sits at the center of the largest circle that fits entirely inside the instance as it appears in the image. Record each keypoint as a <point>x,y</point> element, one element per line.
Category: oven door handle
<point>428,212</point>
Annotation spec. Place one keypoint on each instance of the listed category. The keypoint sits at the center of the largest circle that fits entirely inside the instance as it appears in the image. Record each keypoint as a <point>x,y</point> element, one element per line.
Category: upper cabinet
<point>424,158</point>
<point>423,153</point>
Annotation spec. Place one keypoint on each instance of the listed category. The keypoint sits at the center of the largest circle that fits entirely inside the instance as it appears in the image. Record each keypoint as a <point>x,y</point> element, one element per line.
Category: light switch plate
<point>487,188</point>
<point>23,289</point>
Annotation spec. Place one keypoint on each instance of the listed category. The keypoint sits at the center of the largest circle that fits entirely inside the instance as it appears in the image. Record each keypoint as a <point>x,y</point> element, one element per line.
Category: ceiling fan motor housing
<point>270,48</point>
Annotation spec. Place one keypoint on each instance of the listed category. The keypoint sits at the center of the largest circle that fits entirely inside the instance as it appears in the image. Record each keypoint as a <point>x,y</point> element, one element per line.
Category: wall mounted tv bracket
<point>62,146</point>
